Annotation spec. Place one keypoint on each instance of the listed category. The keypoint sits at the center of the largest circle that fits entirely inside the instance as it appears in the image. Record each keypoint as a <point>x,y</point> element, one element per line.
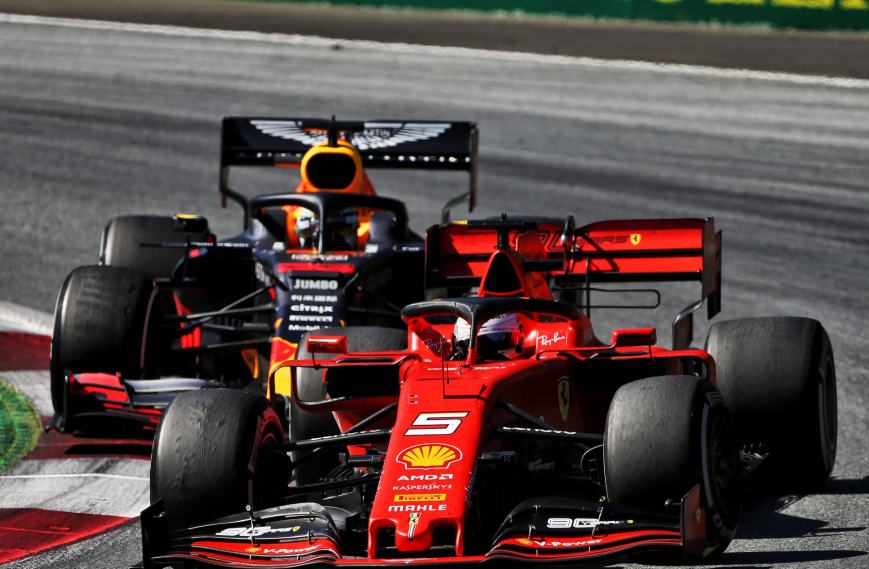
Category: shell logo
<point>429,456</point>
<point>253,549</point>
<point>523,541</point>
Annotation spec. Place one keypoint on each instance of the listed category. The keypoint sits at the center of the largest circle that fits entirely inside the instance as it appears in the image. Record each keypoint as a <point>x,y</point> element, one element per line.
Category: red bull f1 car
<point>172,308</point>
<point>507,430</point>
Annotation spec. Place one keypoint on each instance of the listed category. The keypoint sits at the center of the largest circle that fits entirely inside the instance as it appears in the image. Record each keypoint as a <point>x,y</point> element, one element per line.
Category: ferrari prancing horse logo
<point>635,239</point>
<point>564,396</point>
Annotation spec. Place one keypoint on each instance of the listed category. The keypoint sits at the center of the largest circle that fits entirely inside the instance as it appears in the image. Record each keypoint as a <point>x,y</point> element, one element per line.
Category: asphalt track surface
<point>97,123</point>
<point>843,54</point>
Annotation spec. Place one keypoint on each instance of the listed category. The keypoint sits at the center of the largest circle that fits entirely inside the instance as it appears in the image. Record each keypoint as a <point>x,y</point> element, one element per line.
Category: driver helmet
<point>500,338</point>
<point>306,226</point>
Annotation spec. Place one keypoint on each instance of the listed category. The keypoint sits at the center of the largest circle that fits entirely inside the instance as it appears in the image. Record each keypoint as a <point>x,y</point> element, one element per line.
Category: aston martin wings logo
<point>290,130</point>
<point>375,135</point>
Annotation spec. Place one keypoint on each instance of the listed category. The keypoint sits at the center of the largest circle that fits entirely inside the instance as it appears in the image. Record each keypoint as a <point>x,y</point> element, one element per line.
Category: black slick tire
<point>123,235</point>
<point>779,379</point>
<point>100,323</point>
<point>663,436</point>
<point>211,456</point>
<point>305,425</point>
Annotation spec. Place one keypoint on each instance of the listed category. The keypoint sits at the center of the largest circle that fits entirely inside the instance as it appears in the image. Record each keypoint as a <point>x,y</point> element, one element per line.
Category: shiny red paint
<point>326,344</point>
<point>634,250</point>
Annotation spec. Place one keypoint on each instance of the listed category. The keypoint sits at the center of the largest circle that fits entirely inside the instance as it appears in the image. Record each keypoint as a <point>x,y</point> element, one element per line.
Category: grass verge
<point>19,426</point>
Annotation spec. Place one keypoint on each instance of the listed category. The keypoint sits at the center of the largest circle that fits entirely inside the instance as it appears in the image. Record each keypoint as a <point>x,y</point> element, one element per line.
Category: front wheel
<point>663,436</point>
<point>100,325</point>
<point>215,453</point>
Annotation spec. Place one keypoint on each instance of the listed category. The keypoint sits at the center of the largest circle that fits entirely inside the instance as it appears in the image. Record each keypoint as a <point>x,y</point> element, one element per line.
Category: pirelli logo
<point>420,497</point>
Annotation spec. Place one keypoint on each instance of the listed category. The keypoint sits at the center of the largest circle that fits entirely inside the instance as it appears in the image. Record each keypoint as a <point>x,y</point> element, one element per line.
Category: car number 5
<point>433,421</point>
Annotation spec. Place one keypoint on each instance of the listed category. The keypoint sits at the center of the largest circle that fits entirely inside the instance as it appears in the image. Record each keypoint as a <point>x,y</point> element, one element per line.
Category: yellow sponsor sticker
<point>429,456</point>
<point>811,4</point>
<point>420,497</point>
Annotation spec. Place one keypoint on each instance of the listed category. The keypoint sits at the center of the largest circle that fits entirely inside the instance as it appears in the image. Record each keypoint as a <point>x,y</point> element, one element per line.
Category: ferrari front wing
<point>303,534</point>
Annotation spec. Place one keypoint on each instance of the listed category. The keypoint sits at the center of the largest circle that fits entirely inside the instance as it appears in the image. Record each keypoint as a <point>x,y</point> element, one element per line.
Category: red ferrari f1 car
<point>172,308</point>
<point>507,430</point>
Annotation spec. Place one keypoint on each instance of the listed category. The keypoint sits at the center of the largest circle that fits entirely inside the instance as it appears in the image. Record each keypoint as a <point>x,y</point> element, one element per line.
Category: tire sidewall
<point>722,519</point>
<point>56,373</point>
<point>825,372</point>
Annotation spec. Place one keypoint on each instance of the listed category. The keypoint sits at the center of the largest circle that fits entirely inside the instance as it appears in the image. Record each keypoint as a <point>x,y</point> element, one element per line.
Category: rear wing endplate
<point>391,144</point>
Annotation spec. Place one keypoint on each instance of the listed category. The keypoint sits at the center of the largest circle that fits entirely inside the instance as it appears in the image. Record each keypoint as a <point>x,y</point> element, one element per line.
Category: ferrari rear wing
<point>395,144</point>
<point>616,251</point>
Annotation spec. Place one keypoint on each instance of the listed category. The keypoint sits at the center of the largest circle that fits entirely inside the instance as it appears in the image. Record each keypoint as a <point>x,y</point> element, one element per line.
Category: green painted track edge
<point>19,426</point>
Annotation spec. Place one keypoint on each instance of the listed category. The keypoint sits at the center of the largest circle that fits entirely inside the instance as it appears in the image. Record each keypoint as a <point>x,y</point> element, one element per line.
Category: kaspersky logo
<point>429,456</point>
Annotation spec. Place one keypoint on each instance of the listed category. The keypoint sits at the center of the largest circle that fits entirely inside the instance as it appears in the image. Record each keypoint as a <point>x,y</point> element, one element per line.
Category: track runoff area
<point>73,502</point>
<point>54,489</point>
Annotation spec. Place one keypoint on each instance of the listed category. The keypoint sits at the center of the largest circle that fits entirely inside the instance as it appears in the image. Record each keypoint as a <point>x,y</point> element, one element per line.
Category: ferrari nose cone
<point>429,469</point>
<point>415,535</point>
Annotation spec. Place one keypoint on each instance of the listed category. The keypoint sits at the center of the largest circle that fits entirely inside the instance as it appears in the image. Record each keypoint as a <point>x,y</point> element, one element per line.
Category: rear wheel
<point>664,435</point>
<point>214,453</point>
<point>310,385</point>
<point>122,238</point>
<point>100,325</point>
<point>779,378</point>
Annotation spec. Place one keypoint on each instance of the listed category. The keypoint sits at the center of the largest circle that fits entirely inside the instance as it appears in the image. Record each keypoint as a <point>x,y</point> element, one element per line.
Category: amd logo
<point>317,284</point>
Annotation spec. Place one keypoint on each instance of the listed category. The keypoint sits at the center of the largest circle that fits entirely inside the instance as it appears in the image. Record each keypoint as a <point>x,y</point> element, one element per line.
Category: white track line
<point>81,475</point>
<point>17,318</point>
<point>507,56</point>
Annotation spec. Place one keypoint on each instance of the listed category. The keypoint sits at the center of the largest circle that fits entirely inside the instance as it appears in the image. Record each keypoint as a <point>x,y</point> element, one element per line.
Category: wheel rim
<point>724,465</point>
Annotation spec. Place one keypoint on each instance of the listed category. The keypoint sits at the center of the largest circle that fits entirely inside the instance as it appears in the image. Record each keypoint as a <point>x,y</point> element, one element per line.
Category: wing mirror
<point>635,337</point>
<point>327,344</point>
<point>189,223</point>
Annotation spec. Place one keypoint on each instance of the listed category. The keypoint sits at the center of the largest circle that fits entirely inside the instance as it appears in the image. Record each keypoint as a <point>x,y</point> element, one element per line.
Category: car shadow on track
<point>846,486</point>
<point>763,516</point>
<point>769,559</point>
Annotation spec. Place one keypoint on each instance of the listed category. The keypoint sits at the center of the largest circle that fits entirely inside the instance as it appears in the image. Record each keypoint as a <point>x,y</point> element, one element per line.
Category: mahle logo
<point>429,456</point>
